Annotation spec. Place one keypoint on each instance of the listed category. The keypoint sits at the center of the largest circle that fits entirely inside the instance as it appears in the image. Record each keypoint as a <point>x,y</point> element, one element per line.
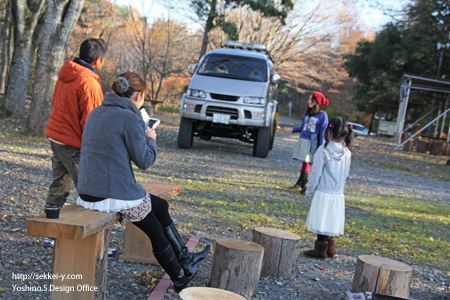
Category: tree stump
<point>236,266</point>
<point>281,251</point>
<point>205,293</point>
<point>382,276</point>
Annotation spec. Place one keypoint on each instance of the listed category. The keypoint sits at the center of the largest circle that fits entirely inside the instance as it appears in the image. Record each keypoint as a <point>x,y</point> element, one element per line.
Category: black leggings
<point>322,238</point>
<point>152,225</point>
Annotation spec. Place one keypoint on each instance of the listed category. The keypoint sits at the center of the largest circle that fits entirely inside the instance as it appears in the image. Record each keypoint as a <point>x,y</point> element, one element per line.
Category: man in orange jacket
<point>77,93</point>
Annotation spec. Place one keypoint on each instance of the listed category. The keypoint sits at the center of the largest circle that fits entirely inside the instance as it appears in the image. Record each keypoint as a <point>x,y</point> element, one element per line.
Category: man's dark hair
<point>90,49</point>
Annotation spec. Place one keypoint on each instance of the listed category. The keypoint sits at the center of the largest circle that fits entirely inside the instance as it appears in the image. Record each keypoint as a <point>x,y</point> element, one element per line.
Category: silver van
<point>231,95</point>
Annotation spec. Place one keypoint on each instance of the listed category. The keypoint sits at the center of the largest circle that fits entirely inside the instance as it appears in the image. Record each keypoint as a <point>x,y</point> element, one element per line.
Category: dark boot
<point>319,251</point>
<point>298,184</point>
<point>189,261</point>
<point>169,262</point>
<point>331,252</point>
<point>304,183</point>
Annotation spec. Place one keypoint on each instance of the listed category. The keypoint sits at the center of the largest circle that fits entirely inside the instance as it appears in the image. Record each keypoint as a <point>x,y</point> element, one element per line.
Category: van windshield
<point>237,67</point>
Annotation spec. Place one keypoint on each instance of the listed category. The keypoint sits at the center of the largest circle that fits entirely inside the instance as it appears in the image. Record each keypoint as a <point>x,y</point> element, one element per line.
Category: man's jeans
<point>65,163</point>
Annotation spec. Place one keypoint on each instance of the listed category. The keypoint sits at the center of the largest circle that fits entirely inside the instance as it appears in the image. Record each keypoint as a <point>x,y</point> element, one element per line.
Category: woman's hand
<point>150,133</point>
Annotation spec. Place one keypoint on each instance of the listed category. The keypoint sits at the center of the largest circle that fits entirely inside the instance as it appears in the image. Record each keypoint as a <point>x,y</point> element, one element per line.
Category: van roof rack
<point>247,46</point>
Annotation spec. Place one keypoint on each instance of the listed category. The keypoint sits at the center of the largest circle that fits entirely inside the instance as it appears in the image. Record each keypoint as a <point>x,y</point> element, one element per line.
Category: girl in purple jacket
<point>312,131</point>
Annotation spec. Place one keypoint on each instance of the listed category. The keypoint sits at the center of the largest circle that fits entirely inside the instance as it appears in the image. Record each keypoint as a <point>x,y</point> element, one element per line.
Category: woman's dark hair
<point>91,49</point>
<point>126,84</point>
<point>338,128</point>
<point>312,111</point>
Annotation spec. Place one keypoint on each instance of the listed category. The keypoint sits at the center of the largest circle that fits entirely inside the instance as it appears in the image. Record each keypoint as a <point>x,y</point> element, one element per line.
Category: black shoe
<point>298,184</point>
<point>169,262</point>
<point>189,261</point>
<point>304,181</point>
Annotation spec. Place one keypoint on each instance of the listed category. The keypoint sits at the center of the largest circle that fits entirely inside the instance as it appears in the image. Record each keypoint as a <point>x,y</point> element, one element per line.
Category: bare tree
<point>5,44</point>
<point>304,46</point>
<point>25,15</point>
<point>161,49</point>
<point>60,19</point>
<point>169,55</point>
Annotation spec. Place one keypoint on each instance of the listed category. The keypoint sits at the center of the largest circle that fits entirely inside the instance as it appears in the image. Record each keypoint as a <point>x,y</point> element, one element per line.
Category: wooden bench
<point>81,246</point>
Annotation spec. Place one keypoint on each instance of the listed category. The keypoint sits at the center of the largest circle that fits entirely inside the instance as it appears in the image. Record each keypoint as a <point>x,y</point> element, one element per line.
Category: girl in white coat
<point>330,169</point>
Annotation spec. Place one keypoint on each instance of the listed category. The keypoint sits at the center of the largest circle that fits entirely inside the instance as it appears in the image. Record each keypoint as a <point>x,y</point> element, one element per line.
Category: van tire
<point>186,133</point>
<point>272,136</point>
<point>261,143</point>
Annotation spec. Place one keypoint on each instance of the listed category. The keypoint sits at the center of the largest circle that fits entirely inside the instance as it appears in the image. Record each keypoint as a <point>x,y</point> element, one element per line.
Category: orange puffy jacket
<point>77,93</point>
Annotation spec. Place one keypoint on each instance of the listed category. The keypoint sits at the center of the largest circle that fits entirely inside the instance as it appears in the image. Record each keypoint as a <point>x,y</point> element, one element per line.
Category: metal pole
<point>402,113</point>
<point>448,134</point>
<point>420,119</point>
<point>400,110</point>
<point>441,58</point>
<point>422,129</point>
<point>443,119</point>
<point>437,122</point>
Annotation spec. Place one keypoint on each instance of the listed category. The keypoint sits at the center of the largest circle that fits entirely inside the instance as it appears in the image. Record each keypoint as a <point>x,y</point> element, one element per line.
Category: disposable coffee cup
<point>52,211</point>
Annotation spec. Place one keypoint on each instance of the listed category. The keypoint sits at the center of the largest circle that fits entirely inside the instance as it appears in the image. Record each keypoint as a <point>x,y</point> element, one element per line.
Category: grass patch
<point>377,153</point>
<point>401,228</point>
<point>170,109</point>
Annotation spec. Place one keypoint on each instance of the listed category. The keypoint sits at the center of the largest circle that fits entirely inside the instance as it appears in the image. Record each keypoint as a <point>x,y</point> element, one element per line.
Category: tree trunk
<point>60,20</point>
<point>236,266</point>
<point>208,27</point>
<point>26,35</point>
<point>382,276</point>
<point>5,44</point>
<point>281,251</point>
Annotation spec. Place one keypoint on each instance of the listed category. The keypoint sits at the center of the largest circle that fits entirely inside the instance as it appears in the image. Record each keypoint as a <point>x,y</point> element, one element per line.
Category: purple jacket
<point>313,125</point>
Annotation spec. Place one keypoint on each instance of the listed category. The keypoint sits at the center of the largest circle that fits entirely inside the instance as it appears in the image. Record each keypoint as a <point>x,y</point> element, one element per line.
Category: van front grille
<point>222,110</point>
<point>224,97</point>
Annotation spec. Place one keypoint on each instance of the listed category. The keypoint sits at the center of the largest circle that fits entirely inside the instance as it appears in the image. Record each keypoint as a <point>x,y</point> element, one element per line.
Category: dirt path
<point>25,174</point>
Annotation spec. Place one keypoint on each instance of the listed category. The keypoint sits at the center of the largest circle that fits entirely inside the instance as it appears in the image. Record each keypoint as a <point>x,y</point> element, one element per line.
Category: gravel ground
<point>25,172</point>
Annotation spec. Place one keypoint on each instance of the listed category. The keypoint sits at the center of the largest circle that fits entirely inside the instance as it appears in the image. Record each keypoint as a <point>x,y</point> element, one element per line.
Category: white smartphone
<point>152,123</point>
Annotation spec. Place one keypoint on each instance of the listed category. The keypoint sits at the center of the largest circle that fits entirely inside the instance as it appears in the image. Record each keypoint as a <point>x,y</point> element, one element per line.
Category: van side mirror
<point>275,78</point>
<point>192,68</point>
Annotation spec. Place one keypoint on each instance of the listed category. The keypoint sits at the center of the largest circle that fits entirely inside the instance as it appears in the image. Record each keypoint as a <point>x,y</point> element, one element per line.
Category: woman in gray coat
<point>115,136</point>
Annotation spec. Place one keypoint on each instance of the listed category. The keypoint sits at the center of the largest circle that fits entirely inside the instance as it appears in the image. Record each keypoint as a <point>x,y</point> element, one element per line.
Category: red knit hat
<point>321,99</point>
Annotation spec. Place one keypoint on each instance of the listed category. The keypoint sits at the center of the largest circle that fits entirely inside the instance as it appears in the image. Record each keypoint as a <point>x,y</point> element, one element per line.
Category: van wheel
<point>272,136</point>
<point>261,143</point>
<point>186,133</point>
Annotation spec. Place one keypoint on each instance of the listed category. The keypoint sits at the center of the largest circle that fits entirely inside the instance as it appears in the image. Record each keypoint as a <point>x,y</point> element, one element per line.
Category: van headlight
<point>254,100</point>
<point>196,93</point>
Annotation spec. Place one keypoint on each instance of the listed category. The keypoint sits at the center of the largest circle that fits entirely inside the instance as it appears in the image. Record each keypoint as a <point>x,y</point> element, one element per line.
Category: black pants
<point>153,224</point>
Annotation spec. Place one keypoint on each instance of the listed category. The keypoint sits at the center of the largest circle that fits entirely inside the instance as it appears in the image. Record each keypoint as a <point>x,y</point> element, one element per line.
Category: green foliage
<point>331,112</point>
<point>169,109</point>
<point>283,88</point>
<point>231,30</point>
<point>404,47</point>
<point>184,90</point>
<point>269,8</point>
